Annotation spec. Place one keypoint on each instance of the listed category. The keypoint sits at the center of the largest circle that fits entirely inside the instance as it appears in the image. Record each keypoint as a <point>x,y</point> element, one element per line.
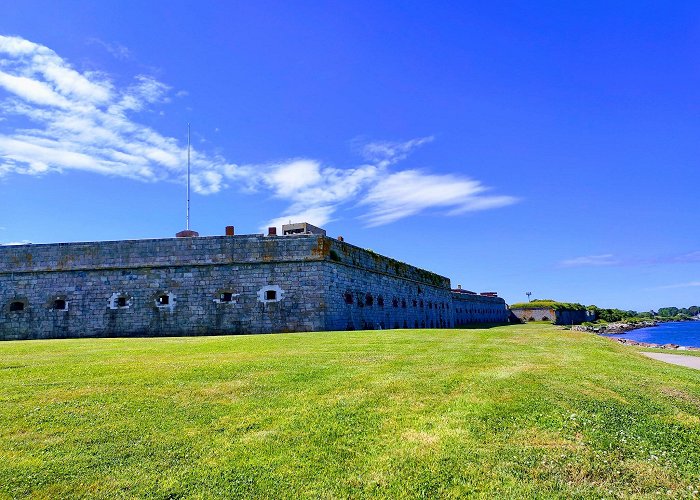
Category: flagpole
<point>188,176</point>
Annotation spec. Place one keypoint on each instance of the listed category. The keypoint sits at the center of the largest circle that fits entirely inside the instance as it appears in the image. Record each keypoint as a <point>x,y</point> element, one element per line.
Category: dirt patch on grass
<point>538,438</point>
<point>419,437</point>
<point>650,476</point>
<point>679,394</point>
<point>600,392</point>
<point>228,390</point>
<point>503,372</point>
<point>685,419</point>
<point>63,394</point>
<point>261,435</point>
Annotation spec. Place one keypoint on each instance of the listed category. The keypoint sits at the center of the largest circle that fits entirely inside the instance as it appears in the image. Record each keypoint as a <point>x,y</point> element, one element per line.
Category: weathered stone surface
<point>220,285</point>
<point>558,317</point>
<point>470,309</point>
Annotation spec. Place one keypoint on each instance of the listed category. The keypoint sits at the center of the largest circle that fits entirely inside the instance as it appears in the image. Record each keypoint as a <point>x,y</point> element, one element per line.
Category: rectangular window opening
<point>271,295</point>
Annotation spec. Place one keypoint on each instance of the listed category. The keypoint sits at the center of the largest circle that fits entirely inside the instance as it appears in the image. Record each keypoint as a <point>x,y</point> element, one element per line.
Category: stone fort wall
<point>212,285</point>
<point>370,291</point>
<point>417,299</point>
<point>471,309</point>
<point>558,317</point>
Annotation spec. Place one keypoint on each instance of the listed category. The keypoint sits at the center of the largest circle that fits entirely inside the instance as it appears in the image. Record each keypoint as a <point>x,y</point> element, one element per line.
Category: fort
<point>559,313</point>
<point>301,280</point>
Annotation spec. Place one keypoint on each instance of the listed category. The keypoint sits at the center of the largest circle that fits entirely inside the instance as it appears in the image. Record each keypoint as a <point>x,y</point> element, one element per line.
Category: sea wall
<point>572,317</point>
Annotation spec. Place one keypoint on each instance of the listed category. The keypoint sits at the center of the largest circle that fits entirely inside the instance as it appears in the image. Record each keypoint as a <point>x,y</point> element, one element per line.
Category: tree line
<point>664,313</point>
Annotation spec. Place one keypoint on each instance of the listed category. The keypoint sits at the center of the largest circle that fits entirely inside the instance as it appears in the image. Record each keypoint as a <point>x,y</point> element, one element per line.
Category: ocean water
<point>686,333</point>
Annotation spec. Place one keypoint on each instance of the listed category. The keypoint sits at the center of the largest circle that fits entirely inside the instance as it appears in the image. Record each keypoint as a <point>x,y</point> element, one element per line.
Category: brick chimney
<point>229,230</point>
<point>272,231</point>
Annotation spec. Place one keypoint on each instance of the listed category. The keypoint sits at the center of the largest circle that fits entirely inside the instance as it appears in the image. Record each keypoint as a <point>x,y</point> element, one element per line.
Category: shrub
<point>548,304</point>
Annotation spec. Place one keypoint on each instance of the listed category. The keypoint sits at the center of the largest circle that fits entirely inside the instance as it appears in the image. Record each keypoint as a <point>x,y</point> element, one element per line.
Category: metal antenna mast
<point>188,176</point>
<point>187,233</point>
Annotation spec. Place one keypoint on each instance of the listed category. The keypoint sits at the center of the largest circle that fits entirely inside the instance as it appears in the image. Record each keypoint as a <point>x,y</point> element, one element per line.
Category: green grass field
<point>515,411</point>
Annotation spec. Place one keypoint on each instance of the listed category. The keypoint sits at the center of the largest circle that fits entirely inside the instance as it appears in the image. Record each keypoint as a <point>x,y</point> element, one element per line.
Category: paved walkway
<point>676,359</point>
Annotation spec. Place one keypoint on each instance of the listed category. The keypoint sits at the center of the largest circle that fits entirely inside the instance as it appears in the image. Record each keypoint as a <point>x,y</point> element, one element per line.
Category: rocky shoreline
<point>615,328</point>
<point>618,328</point>
<point>657,346</point>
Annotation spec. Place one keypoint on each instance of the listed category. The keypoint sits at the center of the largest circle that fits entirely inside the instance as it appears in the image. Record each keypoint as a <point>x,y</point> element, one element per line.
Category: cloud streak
<point>407,193</point>
<point>689,284</point>
<point>73,120</point>
<point>590,261</point>
<point>386,153</point>
<point>627,261</point>
<point>686,258</point>
<point>118,50</point>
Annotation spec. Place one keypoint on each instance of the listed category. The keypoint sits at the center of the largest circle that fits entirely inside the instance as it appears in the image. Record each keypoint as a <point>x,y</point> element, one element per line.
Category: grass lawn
<point>516,411</point>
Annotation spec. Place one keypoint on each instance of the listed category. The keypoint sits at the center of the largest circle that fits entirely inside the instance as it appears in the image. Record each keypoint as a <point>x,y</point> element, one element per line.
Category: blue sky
<point>550,147</point>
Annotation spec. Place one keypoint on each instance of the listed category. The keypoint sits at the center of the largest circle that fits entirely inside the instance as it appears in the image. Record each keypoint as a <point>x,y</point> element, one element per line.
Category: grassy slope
<point>518,410</point>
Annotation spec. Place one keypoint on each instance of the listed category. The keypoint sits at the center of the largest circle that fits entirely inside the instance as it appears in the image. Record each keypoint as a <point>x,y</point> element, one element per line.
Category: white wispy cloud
<point>82,121</point>
<point>386,153</point>
<point>73,120</point>
<point>687,258</point>
<point>631,261</point>
<point>315,191</point>
<point>317,216</point>
<point>590,261</point>
<point>118,50</point>
<point>689,284</point>
<point>402,194</point>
